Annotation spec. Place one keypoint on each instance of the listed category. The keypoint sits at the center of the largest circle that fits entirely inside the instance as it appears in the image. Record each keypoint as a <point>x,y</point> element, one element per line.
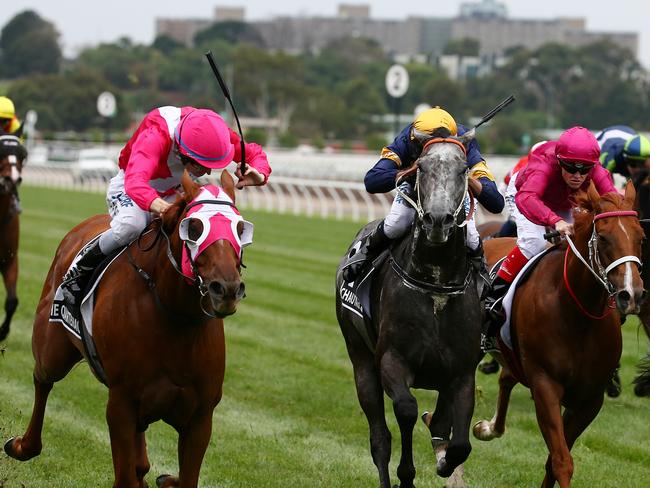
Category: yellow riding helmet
<point>432,119</point>
<point>7,109</point>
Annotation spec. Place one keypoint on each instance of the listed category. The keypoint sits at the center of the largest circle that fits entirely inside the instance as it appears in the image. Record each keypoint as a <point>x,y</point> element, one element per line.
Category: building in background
<point>415,38</point>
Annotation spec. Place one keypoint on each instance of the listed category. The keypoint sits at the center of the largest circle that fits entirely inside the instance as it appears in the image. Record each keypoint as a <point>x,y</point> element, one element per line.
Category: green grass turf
<point>289,415</point>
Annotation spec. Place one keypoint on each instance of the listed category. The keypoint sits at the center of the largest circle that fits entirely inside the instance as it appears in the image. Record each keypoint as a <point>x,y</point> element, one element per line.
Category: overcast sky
<point>88,22</point>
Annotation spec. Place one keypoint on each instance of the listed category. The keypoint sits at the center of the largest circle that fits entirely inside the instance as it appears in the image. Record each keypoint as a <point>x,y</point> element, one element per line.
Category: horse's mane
<point>588,203</point>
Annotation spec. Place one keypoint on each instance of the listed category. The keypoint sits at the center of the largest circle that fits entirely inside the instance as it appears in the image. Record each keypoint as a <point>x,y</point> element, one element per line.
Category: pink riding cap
<point>578,145</point>
<point>204,136</point>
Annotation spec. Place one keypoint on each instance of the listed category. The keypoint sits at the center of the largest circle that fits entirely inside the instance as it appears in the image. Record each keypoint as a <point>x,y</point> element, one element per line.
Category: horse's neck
<point>445,262</point>
<point>175,293</point>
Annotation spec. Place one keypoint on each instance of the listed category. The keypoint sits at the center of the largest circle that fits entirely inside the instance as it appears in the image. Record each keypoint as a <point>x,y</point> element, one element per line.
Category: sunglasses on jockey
<point>574,167</point>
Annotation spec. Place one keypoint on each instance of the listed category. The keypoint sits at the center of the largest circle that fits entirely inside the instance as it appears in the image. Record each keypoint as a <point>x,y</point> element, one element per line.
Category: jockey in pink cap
<point>169,141</point>
<point>543,196</point>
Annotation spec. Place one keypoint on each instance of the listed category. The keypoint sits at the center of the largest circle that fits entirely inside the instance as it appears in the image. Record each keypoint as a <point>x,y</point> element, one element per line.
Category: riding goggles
<point>572,167</point>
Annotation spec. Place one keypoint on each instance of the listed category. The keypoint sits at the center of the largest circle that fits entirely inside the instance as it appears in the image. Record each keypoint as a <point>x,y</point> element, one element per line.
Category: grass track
<point>289,416</point>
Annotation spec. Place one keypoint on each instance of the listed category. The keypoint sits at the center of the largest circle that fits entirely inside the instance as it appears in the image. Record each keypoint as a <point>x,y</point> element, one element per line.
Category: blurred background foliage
<point>337,94</point>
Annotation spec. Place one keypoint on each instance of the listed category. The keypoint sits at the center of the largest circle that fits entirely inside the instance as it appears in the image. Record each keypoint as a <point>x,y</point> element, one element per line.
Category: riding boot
<point>494,314</point>
<point>78,276</point>
<point>370,247</point>
<point>479,265</point>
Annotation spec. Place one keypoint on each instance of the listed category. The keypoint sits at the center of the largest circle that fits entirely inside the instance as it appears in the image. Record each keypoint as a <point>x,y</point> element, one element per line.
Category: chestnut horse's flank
<point>160,364</point>
<point>12,156</point>
<point>570,346</point>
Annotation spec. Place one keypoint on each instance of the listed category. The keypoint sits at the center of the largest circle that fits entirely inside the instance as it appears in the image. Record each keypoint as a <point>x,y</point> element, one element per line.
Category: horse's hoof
<point>483,431</point>
<point>9,448</point>
<point>490,367</point>
<point>12,453</point>
<point>160,480</point>
<point>426,418</point>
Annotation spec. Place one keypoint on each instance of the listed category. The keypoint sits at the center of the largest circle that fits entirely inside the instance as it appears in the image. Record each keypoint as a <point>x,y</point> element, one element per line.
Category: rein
<point>594,258</point>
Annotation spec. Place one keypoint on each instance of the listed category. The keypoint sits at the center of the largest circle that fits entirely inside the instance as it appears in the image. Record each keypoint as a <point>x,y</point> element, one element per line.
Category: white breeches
<point>401,215</point>
<point>128,220</point>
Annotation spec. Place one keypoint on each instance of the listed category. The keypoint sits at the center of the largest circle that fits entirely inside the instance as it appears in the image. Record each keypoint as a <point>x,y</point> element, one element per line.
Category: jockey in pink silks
<point>169,141</point>
<point>543,195</point>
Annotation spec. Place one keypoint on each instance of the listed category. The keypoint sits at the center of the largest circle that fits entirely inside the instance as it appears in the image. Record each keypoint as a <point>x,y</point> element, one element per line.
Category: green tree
<point>230,31</point>
<point>466,46</point>
<point>29,45</point>
<point>166,44</point>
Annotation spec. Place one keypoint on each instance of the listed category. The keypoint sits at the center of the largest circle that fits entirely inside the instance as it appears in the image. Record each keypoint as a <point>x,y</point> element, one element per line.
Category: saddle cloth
<point>355,296</point>
<point>505,331</point>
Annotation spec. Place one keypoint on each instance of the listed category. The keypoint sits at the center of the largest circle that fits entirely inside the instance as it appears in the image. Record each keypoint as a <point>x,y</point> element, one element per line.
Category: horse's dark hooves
<point>164,478</point>
<point>642,390</point>
<point>9,448</point>
<point>4,332</point>
<point>489,367</point>
<point>11,452</point>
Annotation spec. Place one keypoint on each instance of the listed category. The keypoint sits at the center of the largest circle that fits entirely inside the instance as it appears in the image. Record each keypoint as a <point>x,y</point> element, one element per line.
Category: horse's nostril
<point>241,291</point>
<point>217,288</point>
<point>427,220</point>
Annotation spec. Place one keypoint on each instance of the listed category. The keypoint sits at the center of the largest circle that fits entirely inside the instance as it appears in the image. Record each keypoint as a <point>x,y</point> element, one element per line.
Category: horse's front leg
<point>10,277</point>
<point>371,398</point>
<point>30,444</point>
<point>461,400</point>
<point>193,441</point>
<point>142,464</point>
<point>397,378</point>
<point>121,419</point>
<point>486,430</point>
<point>547,395</point>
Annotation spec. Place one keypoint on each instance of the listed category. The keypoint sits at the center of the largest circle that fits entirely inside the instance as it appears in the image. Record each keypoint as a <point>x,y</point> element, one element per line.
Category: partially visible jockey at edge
<point>509,227</point>
<point>400,155</point>
<point>545,190</point>
<point>9,123</point>
<point>622,150</point>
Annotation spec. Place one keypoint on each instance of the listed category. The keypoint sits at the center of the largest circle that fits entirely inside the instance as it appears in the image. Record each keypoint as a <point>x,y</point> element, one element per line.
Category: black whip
<point>495,110</point>
<point>226,93</point>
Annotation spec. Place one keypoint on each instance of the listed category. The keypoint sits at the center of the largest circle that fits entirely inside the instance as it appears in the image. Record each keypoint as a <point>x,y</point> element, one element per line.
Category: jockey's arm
<point>485,188</point>
<point>381,177</point>
<point>258,169</point>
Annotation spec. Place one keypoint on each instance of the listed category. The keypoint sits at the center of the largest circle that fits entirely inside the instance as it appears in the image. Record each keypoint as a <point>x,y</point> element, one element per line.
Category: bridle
<point>416,203</point>
<point>197,279</point>
<point>595,265</point>
<point>418,285</point>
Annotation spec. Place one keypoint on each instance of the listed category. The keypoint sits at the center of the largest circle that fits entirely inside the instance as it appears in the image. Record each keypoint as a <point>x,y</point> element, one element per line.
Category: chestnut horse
<point>12,156</point>
<point>568,349</point>
<point>161,341</point>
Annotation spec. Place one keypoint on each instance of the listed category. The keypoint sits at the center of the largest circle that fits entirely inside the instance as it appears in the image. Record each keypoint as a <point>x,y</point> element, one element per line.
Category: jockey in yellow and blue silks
<point>9,123</point>
<point>622,150</point>
<point>400,155</point>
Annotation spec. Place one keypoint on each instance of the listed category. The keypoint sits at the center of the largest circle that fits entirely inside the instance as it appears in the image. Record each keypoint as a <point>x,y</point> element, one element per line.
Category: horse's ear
<point>588,200</point>
<point>190,188</point>
<point>467,137</point>
<point>228,184</point>
<point>630,194</point>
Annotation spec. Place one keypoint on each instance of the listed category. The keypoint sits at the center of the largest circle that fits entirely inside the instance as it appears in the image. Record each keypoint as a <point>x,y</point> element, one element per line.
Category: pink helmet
<point>204,136</point>
<point>578,145</point>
